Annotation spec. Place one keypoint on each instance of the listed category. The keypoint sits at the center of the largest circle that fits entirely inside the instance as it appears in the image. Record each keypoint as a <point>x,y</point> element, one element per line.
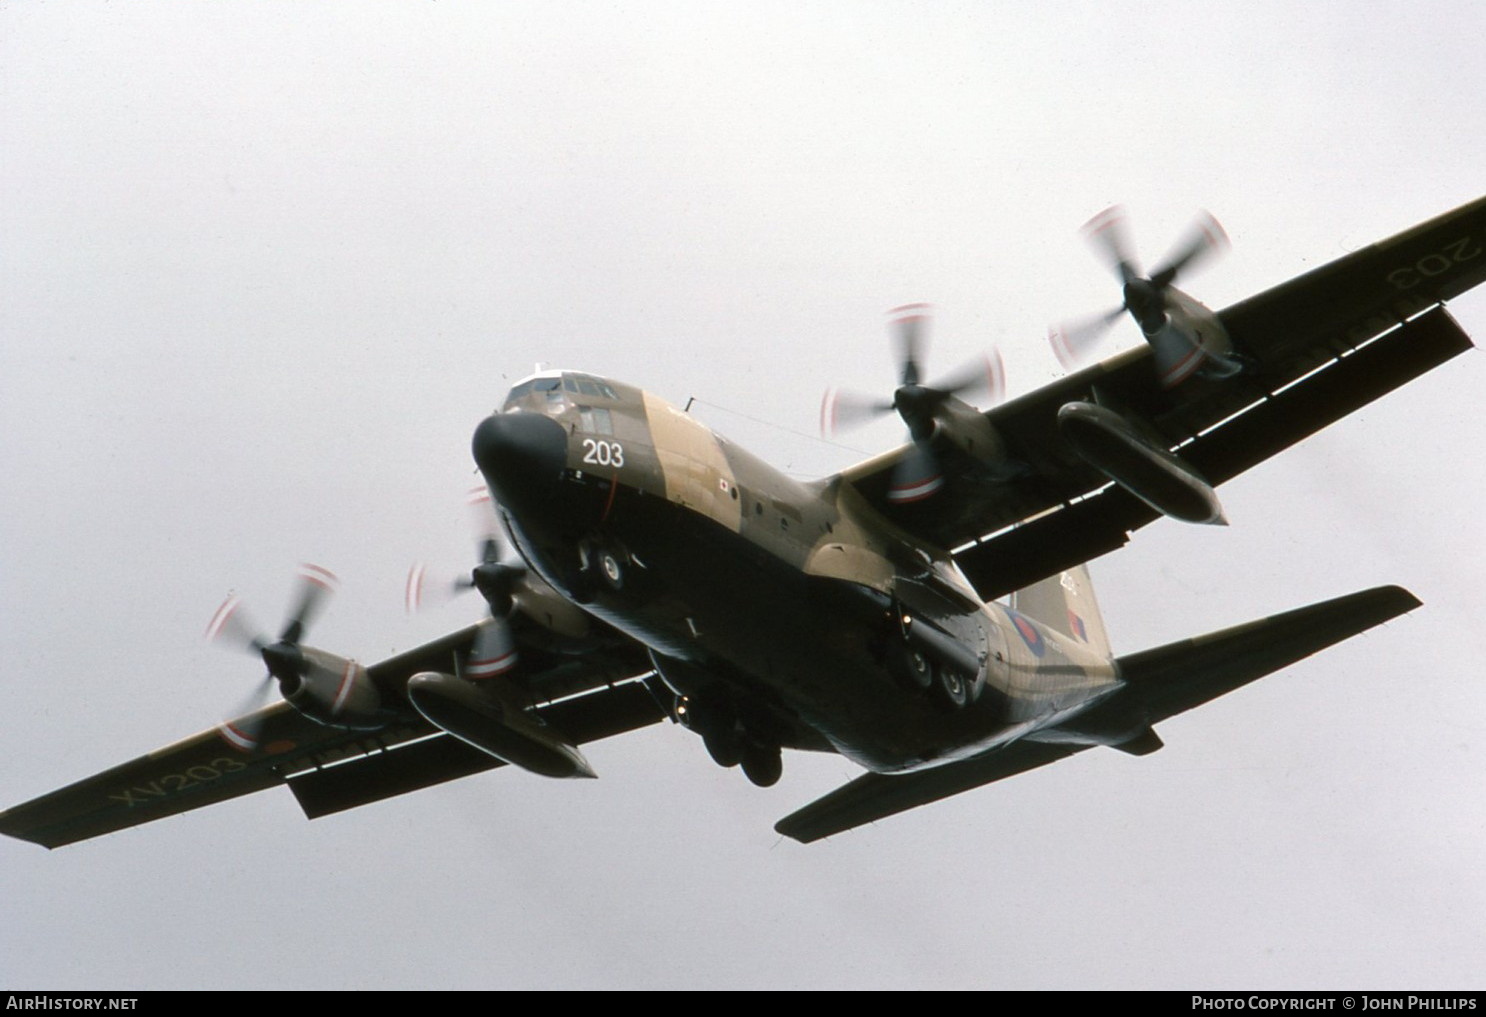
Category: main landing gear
<point>945,685</point>
<point>729,742</point>
<point>762,764</point>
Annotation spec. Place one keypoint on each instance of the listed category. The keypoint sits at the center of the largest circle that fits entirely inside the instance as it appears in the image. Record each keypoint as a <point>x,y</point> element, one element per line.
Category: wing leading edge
<point>1160,683</point>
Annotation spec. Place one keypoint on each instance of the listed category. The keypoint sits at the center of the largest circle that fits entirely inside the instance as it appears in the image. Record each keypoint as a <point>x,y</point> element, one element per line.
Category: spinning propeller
<point>922,407</point>
<point>285,658</point>
<point>501,582</point>
<point>1148,298</point>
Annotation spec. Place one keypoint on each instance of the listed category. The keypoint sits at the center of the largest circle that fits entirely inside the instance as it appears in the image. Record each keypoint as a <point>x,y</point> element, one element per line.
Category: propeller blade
<point>231,626</point>
<point>1204,238</point>
<point>429,588</point>
<point>315,584</point>
<point>485,523</point>
<point>909,325</point>
<point>413,589</point>
<point>285,659</point>
<point>1073,341</point>
<point>845,410</point>
<point>1109,234</point>
<point>985,376</point>
<point>1177,355</point>
<point>500,577</point>
<point>917,475</point>
<point>243,728</point>
<point>494,651</point>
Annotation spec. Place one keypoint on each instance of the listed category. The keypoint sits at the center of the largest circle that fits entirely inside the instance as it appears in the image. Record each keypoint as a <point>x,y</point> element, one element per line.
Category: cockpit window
<point>584,384</point>
<point>560,388</point>
<point>552,386</point>
<point>516,394</point>
<point>595,420</point>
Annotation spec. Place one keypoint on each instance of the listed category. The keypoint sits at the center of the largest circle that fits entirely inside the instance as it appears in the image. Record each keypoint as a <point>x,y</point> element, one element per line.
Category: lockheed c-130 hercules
<point>925,613</point>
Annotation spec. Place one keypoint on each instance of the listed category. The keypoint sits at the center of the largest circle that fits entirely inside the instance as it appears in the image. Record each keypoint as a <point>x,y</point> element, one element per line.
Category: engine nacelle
<point>334,691</point>
<point>968,430</point>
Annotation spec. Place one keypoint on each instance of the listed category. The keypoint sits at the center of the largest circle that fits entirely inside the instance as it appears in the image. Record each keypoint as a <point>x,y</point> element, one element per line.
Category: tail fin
<point>1066,604</point>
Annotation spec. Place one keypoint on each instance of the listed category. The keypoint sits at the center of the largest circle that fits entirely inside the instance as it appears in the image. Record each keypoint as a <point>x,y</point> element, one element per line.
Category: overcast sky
<point>264,266</point>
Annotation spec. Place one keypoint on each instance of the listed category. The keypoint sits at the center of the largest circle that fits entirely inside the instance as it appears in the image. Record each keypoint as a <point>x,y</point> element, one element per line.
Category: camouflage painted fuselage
<point>815,621</point>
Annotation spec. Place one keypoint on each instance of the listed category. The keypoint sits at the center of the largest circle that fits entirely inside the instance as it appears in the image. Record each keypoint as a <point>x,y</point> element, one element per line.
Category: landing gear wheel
<point>920,669</point>
<point>951,689</point>
<point>611,569</point>
<point>599,562</point>
<point>912,669</point>
<point>762,764</point>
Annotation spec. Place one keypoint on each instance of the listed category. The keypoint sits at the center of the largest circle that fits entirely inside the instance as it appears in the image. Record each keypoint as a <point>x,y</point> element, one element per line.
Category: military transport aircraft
<point>925,613</point>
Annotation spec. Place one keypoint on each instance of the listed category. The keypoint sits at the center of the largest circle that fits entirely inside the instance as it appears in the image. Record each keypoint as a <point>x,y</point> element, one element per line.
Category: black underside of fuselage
<point>808,656</point>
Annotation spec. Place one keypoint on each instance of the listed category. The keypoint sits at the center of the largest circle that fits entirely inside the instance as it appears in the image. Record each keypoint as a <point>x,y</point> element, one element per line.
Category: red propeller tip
<point>1105,220</point>
<point>414,591</point>
<point>828,413</point>
<point>220,619</point>
<point>915,490</point>
<point>242,741</point>
<point>995,377</point>
<point>1214,232</point>
<point>490,667</point>
<point>1058,339</point>
<point>321,577</point>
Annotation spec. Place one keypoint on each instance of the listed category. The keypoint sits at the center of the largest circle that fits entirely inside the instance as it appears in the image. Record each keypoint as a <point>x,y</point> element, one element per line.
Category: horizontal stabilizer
<point>1161,683</point>
<point>1174,678</point>
<point>875,796</point>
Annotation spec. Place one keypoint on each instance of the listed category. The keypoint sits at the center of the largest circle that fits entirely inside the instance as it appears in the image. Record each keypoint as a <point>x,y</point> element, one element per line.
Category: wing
<point>1159,684</point>
<point>1318,348</point>
<point>585,696</point>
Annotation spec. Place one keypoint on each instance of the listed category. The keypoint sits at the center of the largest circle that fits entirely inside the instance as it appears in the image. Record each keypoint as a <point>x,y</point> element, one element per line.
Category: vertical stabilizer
<point>1065,602</point>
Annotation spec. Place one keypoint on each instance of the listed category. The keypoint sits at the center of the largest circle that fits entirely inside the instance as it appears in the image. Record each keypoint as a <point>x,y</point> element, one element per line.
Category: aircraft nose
<point>522,455</point>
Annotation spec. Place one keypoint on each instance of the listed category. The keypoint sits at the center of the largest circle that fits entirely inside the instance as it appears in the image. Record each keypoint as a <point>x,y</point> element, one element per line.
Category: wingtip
<point>1402,599</point>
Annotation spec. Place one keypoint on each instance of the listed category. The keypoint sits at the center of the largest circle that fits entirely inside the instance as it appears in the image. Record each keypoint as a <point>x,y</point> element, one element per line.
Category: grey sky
<point>264,266</point>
